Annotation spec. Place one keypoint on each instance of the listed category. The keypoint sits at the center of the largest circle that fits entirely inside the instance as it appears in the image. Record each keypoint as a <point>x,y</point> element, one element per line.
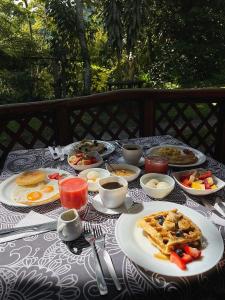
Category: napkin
<point>32,218</point>
<point>216,219</point>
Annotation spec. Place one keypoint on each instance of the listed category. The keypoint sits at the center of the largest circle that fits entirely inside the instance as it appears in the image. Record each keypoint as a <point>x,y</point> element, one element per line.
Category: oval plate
<point>110,147</point>
<point>136,246</point>
<point>201,157</point>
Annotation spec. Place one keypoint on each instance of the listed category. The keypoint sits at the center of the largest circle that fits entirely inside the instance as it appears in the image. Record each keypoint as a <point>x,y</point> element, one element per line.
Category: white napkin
<point>32,218</point>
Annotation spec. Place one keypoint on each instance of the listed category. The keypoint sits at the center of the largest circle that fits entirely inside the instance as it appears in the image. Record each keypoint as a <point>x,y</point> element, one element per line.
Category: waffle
<point>176,156</point>
<point>174,231</point>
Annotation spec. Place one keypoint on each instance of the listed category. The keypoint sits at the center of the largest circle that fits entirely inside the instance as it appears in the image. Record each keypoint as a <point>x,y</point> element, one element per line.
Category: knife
<point>211,208</point>
<point>111,269</point>
<point>39,227</point>
<point>220,203</point>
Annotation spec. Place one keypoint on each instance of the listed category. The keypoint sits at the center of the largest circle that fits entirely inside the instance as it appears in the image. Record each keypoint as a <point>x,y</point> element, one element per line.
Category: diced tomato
<point>186,258</point>
<point>53,176</point>
<point>175,258</point>
<point>193,252</point>
<point>186,182</point>
<point>94,160</point>
<point>205,175</point>
<point>87,161</point>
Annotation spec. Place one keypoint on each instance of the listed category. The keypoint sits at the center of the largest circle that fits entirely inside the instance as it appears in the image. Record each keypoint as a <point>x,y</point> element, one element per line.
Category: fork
<point>89,237</point>
<point>100,240</point>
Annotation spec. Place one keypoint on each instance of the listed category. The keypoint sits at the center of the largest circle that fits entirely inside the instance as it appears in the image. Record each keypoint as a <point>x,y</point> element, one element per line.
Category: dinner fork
<point>100,240</point>
<point>89,237</point>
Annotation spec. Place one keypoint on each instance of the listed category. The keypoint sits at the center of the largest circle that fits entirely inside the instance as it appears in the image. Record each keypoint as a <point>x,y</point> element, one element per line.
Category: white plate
<point>201,157</point>
<point>141,162</point>
<point>97,203</point>
<point>8,185</point>
<point>177,175</point>
<point>110,147</point>
<point>137,247</point>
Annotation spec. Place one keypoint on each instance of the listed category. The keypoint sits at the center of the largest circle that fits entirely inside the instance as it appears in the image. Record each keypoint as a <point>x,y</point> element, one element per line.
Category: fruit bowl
<point>199,191</point>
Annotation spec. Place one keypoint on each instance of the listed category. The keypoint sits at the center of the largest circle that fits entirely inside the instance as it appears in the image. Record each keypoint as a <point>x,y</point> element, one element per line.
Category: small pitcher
<point>69,225</point>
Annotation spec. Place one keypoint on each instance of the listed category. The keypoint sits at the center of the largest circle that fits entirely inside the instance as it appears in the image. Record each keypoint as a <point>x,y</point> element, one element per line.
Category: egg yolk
<point>47,189</point>
<point>34,196</point>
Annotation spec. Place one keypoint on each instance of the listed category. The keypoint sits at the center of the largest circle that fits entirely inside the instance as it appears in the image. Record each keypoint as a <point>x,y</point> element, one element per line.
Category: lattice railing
<point>193,116</point>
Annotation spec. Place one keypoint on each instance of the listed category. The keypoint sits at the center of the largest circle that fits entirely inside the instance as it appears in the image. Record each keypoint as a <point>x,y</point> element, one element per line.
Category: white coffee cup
<point>69,225</point>
<point>132,153</point>
<point>115,197</point>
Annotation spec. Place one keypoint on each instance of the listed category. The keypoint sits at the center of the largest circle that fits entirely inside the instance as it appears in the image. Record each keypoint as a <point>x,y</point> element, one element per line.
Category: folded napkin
<point>32,218</point>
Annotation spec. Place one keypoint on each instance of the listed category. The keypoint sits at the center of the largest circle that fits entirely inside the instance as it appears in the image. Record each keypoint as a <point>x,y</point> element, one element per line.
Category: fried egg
<point>36,194</point>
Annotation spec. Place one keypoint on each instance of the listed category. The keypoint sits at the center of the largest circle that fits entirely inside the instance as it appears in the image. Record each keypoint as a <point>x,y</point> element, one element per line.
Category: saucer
<point>98,205</point>
<point>141,162</point>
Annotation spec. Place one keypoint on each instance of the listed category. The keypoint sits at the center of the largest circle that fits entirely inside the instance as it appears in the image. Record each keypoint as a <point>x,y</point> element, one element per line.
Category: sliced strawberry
<point>186,182</point>
<point>193,252</point>
<point>205,175</point>
<point>175,258</point>
<point>53,176</point>
<point>186,258</point>
<point>207,185</point>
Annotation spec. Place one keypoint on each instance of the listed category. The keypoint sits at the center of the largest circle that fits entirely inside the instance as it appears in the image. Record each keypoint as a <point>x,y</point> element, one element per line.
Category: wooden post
<point>147,117</point>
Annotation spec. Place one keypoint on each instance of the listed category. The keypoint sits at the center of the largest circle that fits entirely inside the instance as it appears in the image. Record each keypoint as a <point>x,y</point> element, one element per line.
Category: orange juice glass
<point>73,193</point>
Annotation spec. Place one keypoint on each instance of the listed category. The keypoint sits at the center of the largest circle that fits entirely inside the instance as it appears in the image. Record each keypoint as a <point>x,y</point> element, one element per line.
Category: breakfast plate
<point>136,246</point>
<point>9,190</point>
<point>98,205</point>
<point>107,147</point>
<point>176,153</point>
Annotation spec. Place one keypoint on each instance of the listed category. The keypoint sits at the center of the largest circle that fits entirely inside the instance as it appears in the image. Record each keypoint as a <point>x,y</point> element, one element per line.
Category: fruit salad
<point>81,158</point>
<point>199,180</point>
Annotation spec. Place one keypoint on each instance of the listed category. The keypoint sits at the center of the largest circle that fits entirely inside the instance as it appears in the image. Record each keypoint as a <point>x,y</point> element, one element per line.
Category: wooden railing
<point>195,116</point>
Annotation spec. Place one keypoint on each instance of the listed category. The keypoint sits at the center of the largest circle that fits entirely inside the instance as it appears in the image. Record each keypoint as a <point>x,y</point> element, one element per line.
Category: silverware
<point>220,203</point>
<point>210,207</point>
<point>53,152</point>
<point>39,227</point>
<point>100,240</point>
<point>89,237</point>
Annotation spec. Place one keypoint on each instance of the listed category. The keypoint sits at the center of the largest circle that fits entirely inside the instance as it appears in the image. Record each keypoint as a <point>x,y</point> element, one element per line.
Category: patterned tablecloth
<point>43,267</point>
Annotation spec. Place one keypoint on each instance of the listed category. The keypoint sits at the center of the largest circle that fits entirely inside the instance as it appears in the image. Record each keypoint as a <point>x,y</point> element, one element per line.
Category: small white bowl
<point>125,166</point>
<point>93,186</point>
<point>84,167</point>
<point>177,175</point>
<point>157,193</point>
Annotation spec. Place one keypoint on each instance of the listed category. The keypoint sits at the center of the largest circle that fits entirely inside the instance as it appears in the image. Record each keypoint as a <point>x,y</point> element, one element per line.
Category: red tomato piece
<point>53,176</point>
<point>186,258</point>
<point>193,252</point>
<point>205,175</point>
<point>175,258</point>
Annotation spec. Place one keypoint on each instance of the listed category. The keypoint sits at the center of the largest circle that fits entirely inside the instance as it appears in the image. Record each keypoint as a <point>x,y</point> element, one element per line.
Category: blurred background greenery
<point>53,49</point>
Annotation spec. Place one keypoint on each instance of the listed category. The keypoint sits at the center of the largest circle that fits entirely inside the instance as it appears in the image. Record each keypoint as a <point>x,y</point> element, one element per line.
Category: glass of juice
<point>156,164</point>
<point>73,193</point>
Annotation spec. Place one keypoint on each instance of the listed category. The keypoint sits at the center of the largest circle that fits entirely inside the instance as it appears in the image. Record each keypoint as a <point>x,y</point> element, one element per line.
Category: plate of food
<point>31,188</point>
<point>102,147</point>
<point>179,156</point>
<point>84,160</point>
<point>169,239</point>
<point>199,182</point>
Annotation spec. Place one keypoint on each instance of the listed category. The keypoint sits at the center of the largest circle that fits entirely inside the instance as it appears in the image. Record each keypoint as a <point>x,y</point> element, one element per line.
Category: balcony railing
<point>195,116</point>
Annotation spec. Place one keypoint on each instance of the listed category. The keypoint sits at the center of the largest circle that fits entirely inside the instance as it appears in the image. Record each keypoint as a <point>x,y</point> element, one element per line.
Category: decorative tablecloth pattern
<point>43,267</point>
